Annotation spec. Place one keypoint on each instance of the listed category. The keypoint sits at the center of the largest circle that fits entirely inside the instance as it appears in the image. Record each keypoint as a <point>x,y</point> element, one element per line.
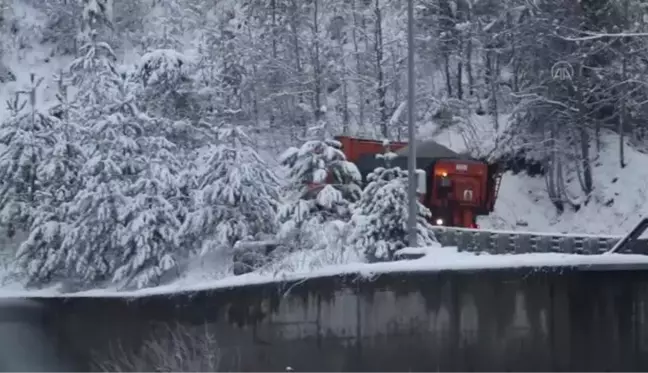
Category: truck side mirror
<point>421,181</point>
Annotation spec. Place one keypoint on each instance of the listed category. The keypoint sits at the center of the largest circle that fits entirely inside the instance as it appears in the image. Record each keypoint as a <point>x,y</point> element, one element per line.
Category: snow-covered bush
<point>166,84</point>
<point>379,222</point>
<point>163,68</point>
<point>237,197</point>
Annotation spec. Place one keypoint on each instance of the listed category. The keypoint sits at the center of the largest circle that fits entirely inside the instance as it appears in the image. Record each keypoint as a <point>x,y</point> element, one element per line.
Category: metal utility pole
<point>411,159</point>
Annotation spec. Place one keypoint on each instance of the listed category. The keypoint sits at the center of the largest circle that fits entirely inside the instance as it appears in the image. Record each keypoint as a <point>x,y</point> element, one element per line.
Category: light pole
<point>411,160</point>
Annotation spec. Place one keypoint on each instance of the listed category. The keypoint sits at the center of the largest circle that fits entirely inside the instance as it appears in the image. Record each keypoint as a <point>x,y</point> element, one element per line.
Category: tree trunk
<point>494,105</point>
<point>299,119</point>
<point>586,167</point>
<point>273,77</point>
<point>317,68</point>
<point>624,109</point>
<point>380,86</point>
<point>359,69</point>
<point>469,70</point>
<point>397,90</point>
<point>448,75</point>
<point>345,91</point>
<point>585,162</point>
<point>460,76</point>
<point>553,168</point>
<point>623,116</point>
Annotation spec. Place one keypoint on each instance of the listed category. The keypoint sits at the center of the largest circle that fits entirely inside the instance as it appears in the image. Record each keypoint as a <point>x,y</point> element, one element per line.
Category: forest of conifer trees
<point>159,144</point>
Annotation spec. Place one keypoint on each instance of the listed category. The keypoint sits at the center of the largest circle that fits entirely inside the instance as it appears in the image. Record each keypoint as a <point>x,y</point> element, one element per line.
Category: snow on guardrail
<point>502,242</point>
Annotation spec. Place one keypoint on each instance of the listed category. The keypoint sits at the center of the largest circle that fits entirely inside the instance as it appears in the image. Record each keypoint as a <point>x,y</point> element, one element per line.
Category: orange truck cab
<point>455,187</point>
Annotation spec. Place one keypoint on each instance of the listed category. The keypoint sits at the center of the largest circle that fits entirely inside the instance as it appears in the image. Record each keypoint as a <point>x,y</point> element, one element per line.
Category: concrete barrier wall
<point>513,319</point>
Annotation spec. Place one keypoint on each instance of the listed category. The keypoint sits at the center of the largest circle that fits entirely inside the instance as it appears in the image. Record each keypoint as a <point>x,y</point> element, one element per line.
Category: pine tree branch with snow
<point>94,74</point>
<point>59,172</point>
<point>322,185</point>
<point>149,242</point>
<point>321,167</point>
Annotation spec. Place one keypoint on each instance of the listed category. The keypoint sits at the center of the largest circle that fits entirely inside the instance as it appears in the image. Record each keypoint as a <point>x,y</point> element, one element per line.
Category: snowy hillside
<point>523,203</point>
<point>620,198</point>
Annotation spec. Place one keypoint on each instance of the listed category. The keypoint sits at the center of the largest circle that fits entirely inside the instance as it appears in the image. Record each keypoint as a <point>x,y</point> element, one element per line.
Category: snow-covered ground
<point>619,201</point>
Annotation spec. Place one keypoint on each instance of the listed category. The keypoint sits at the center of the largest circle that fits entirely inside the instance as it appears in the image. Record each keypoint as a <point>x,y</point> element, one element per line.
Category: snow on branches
<point>26,137</point>
<point>59,180</point>
<point>123,209</point>
<point>94,73</point>
<point>119,227</point>
<point>322,186</point>
<point>237,197</point>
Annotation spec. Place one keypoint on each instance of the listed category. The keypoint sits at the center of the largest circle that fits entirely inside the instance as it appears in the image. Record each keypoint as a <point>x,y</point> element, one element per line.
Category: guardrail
<point>251,255</point>
<point>512,242</point>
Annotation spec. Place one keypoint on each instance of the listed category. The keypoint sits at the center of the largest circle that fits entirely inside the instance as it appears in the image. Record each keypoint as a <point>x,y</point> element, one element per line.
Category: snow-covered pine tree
<point>59,176</point>
<point>166,91</point>
<point>322,182</point>
<point>43,257</point>
<point>150,245</point>
<point>322,186</point>
<point>27,140</point>
<point>237,199</point>
<point>119,228</point>
<point>49,253</point>
<point>379,222</point>
<point>125,228</point>
<point>93,72</point>
<point>60,171</point>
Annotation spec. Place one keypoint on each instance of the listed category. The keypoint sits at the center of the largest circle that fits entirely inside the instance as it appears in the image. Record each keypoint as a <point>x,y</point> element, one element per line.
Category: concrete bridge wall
<point>547,319</point>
